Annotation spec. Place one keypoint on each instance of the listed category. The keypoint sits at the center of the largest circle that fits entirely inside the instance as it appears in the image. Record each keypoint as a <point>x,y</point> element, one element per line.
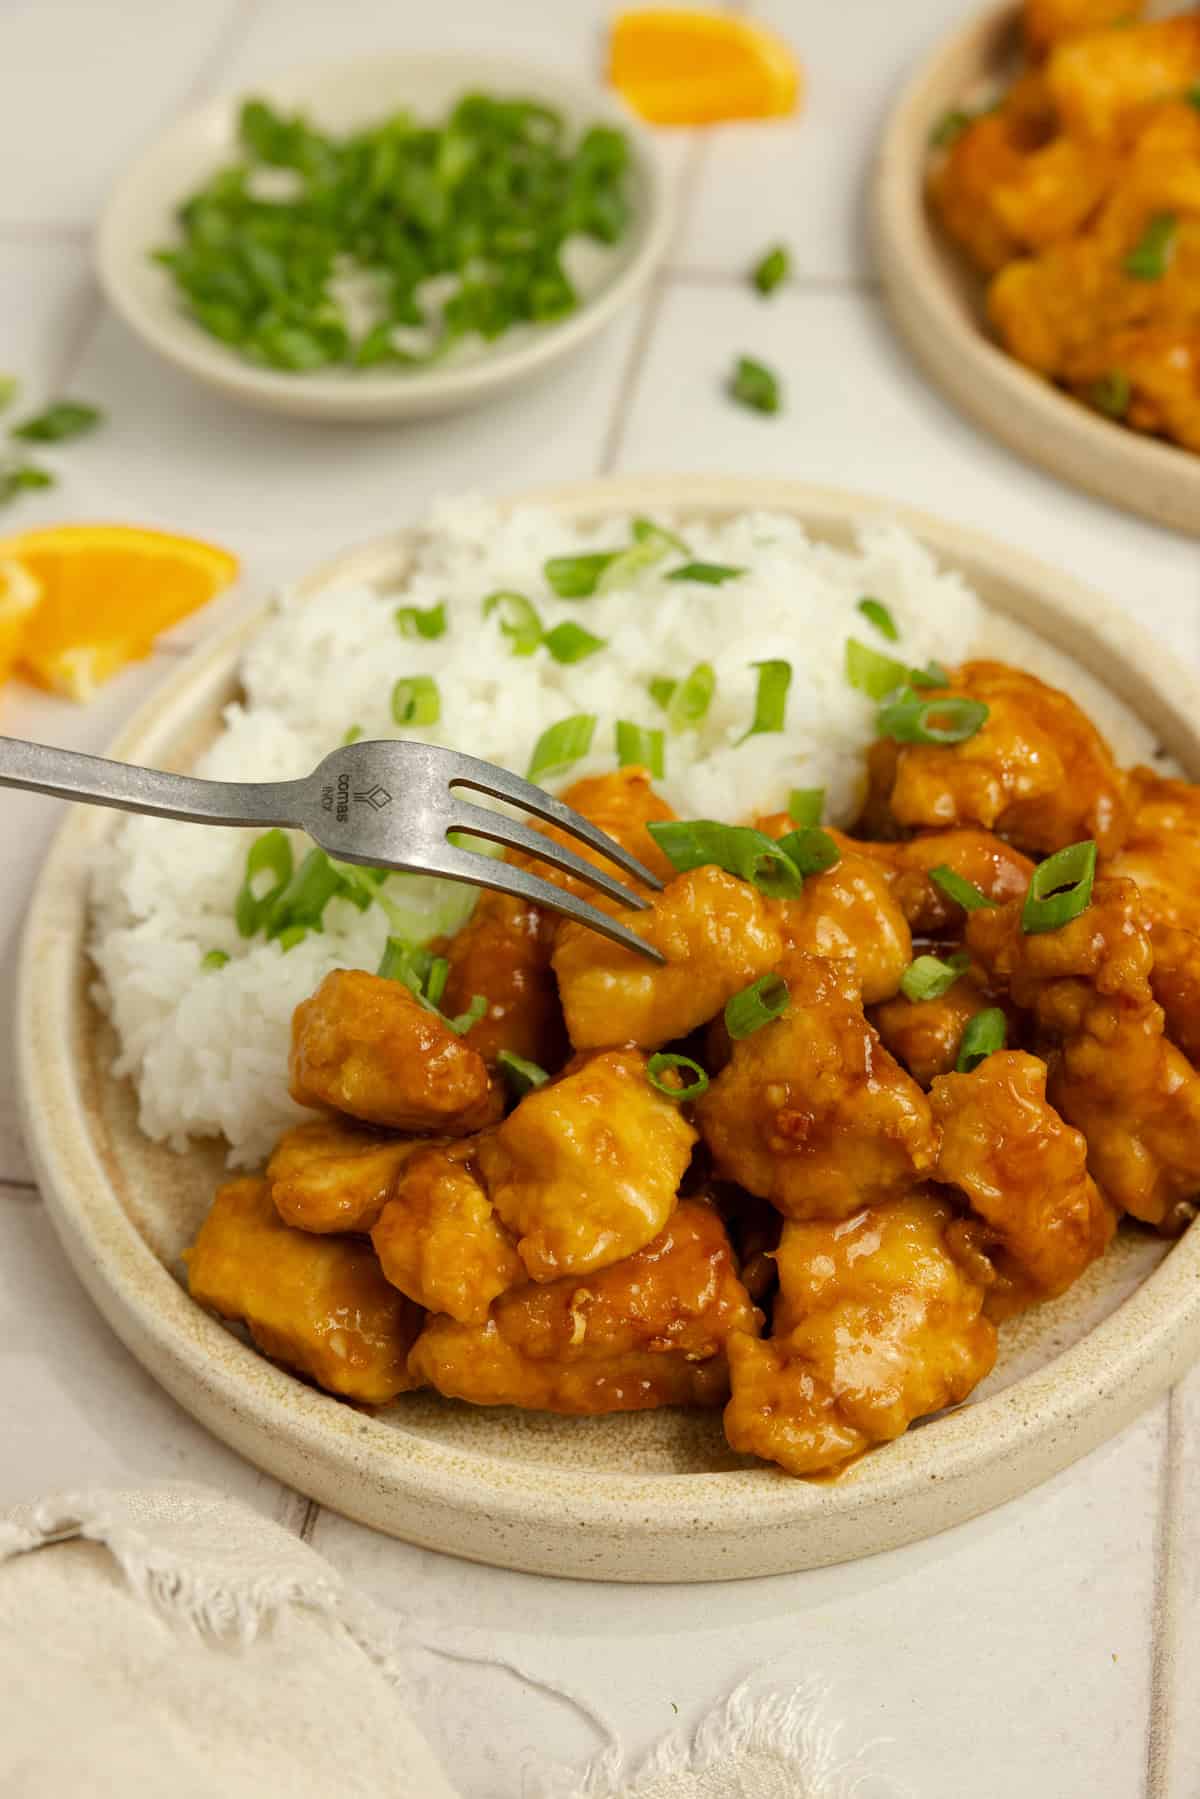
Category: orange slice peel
<point>698,68</point>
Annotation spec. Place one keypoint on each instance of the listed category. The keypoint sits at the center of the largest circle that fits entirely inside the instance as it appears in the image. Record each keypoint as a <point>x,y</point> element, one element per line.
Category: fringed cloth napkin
<point>173,1641</point>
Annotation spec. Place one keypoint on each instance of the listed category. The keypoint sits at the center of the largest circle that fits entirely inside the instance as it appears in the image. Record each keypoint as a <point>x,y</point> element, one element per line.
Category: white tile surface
<point>1175,1742</point>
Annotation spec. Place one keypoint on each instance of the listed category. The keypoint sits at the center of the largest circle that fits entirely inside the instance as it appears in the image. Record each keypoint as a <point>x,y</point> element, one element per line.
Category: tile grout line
<point>1164,1622</point>
<point>26,1189</point>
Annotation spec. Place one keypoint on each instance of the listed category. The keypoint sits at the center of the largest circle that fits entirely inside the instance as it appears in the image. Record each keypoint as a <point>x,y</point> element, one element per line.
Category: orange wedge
<point>695,68</point>
<point>103,594</point>
<point>19,596</point>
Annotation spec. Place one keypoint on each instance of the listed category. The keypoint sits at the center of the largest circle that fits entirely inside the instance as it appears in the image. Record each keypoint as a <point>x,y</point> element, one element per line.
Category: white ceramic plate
<point>937,302</point>
<point>140,217</point>
<point>654,1495</point>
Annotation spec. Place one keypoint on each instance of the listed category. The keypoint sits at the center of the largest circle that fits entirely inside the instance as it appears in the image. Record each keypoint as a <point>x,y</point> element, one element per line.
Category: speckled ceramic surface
<point>656,1496</point>
<point>938,302</point>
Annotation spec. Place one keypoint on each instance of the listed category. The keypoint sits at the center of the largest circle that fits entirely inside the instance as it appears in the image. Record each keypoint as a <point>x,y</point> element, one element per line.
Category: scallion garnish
<point>663,1064</point>
<point>661,689</point>
<point>640,747</point>
<point>1151,256</point>
<point>650,546</point>
<point>522,1075</point>
<point>304,899</point>
<point>805,805</point>
<point>1060,888</point>
<point>645,530</point>
<point>771,269</point>
<point>518,620</point>
<point>421,621</point>
<point>269,855</point>
<point>690,699</point>
<point>562,744</point>
<point>294,934</point>
<point>949,128</point>
<point>964,893</point>
<point>569,642</point>
<point>396,965</point>
<point>476,1009</point>
<point>928,977</point>
<point>1111,394</point>
<point>754,385</point>
<point>352,736</point>
<point>756,1005</point>
<point>435,980</point>
<point>58,423</point>
<point>871,672</point>
<point>910,719</point>
<point>710,574</point>
<point>752,855</point>
<point>18,477</point>
<point>811,850</point>
<point>215,958</point>
<point>932,675</point>
<point>880,617</point>
<point>10,387</point>
<point>1192,96</point>
<point>575,577</point>
<point>770,702</point>
<point>985,1033</point>
<point>416,700</point>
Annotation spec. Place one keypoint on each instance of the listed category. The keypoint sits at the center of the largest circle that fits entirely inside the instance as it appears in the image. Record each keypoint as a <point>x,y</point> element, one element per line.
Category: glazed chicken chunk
<point>586,1170</point>
<point>811,1112</point>
<point>925,1035</point>
<point>331,1175</point>
<point>998,870</point>
<point>650,1330</point>
<point>439,1240</point>
<point>621,805</point>
<point>847,913</point>
<point>717,934</point>
<point>1113,1074</point>
<point>1098,83</point>
<point>317,1304</point>
<point>876,1323</point>
<point>503,953</point>
<point>366,1046</point>
<point>1024,1173</point>
<point>1050,22</point>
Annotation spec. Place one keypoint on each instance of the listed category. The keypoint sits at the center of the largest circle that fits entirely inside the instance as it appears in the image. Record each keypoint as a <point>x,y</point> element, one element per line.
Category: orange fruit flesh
<point>19,598</point>
<point>696,68</point>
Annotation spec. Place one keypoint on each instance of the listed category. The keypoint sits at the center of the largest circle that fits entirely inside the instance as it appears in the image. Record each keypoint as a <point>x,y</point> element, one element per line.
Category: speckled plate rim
<point>1145,475</point>
<point>601,1525</point>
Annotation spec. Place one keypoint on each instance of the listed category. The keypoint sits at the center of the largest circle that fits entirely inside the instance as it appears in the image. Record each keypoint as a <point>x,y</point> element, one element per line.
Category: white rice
<point>207,1050</point>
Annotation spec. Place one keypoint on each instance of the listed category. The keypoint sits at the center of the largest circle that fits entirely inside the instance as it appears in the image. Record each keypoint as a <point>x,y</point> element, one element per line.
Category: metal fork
<point>385,804</point>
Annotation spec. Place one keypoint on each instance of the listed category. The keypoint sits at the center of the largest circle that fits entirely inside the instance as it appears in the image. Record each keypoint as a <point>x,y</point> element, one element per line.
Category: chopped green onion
<point>932,675</point>
<point>522,1076</point>
<point>1192,95</point>
<point>985,1033</point>
<point>216,958</point>
<point>928,977</point>
<point>771,269</point>
<point>756,1005</point>
<point>561,745</point>
<point>270,854</point>
<point>770,703</point>
<point>646,531</point>
<point>476,1010</point>
<point>352,736</point>
<point>425,977</point>
<point>518,620</point>
<point>18,477</point>
<point>64,420</point>
<point>949,128</point>
<point>1060,888</point>
<point>661,690</point>
<point>664,1064</point>
<point>295,933</point>
<point>711,574</point>
<point>569,642</point>
<point>910,719</point>
<point>754,385</point>
<point>1111,394</point>
<point>964,893</point>
<point>691,698</point>
<point>811,849</point>
<point>880,617</point>
<point>650,546</point>
<point>422,621</point>
<point>871,672</point>
<point>435,980</point>
<point>751,855</point>
<point>640,747</point>
<point>416,700</point>
<point>1151,255</point>
<point>396,964</point>
<point>575,577</point>
<point>805,805</point>
<point>9,388</point>
<point>304,899</point>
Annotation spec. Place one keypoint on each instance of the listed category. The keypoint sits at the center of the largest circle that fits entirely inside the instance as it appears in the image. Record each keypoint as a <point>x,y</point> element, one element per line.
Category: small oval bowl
<point>937,302</point>
<point>140,216</point>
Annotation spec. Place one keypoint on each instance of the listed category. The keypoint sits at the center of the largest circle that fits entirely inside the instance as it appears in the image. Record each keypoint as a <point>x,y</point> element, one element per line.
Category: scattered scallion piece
<point>1193,95</point>
<point>985,1033</point>
<point>294,934</point>
<point>352,736</point>
<point>396,964</point>
<point>771,269</point>
<point>422,621</point>
<point>932,675</point>
<point>909,719</point>
<point>709,574</point>
<point>964,893</point>
<point>569,642</point>
<point>9,388</point>
<point>476,1009</point>
<point>811,850</point>
<point>1060,888</point>
<point>215,958</point>
<point>522,1075</point>
<point>269,855</point>
<point>754,385</point>
<point>664,1064</point>
<point>871,672</point>
<point>949,128</point>
<point>562,744</point>
<point>58,423</point>
<point>435,980</point>
<point>650,545</point>
<point>575,577</point>
<point>518,620</point>
<point>752,855</point>
<point>880,617</point>
<point>928,977</point>
<point>805,806</point>
<point>416,700</point>
<point>661,689</point>
<point>1111,394</point>
<point>756,1005</point>
<point>1151,255</point>
<point>639,746</point>
<point>690,699</point>
<point>646,530</point>
<point>304,899</point>
<point>770,703</point>
<point>20,477</point>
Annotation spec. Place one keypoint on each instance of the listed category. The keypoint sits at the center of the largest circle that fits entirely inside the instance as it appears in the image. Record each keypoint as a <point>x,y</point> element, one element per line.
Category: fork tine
<point>501,784</point>
<point>516,835</point>
<point>484,871</point>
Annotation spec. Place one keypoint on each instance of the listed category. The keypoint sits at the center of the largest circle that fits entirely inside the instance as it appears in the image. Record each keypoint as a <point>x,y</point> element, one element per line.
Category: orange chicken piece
<point>877,1323</point>
<point>925,1035</point>
<point>1099,83</point>
<point>1162,854</point>
<point>439,1240</point>
<point>998,870</point>
<point>503,953</point>
<point>330,1176</point>
<point>319,1305</point>
<point>621,805</point>
<point>847,913</point>
<point>651,1330</point>
<point>1051,22</point>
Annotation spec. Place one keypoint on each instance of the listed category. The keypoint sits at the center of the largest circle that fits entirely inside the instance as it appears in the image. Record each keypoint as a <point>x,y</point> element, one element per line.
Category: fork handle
<point>67,774</point>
